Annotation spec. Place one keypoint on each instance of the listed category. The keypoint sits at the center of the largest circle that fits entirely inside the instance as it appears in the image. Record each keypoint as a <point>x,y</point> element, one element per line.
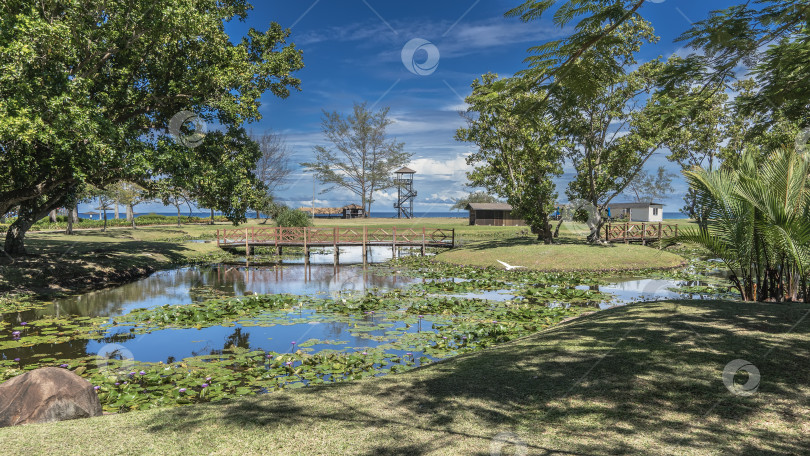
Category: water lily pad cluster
<point>207,313</point>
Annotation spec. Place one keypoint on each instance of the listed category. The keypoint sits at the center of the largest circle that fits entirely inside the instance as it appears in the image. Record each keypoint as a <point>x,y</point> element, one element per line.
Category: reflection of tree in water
<point>237,339</point>
<point>153,290</point>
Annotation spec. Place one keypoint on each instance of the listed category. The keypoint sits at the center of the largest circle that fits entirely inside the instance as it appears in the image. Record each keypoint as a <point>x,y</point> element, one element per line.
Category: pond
<point>242,330</point>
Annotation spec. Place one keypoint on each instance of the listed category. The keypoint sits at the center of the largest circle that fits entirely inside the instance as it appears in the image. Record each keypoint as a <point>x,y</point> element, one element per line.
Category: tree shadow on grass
<point>82,264</point>
<point>639,379</point>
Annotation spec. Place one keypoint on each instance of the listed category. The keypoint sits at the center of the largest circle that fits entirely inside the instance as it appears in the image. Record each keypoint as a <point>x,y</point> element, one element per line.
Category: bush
<point>287,218</point>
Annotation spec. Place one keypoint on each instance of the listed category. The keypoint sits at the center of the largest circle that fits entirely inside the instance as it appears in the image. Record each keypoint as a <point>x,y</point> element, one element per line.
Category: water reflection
<point>186,285</point>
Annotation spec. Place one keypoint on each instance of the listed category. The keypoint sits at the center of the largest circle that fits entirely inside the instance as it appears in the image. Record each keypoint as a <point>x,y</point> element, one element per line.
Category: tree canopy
<point>88,90</point>
<point>361,158</point>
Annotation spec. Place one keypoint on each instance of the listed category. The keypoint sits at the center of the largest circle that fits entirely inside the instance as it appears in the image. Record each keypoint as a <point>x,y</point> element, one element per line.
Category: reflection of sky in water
<point>177,286</point>
<point>308,324</point>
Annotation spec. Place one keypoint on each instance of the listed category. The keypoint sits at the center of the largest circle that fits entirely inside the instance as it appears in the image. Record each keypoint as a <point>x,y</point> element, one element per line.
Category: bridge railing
<point>644,232</point>
<point>318,236</point>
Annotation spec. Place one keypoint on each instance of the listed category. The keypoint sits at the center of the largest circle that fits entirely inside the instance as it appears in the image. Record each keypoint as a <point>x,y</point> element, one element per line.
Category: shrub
<point>287,217</point>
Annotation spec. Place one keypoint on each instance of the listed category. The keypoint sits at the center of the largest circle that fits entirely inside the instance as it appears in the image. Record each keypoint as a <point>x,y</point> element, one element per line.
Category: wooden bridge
<point>639,232</point>
<point>279,237</point>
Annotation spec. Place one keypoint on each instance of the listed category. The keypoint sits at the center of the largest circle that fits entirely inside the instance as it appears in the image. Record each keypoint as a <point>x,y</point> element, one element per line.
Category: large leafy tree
<point>87,91</point>
<point>614,124</point>
<point>602,111</point>
<point>772,37</point>
<point>361,158</point>
<point>517,158</point>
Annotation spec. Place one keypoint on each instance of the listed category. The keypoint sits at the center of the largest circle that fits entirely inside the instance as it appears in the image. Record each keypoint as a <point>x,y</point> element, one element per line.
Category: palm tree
<point>759,223</point>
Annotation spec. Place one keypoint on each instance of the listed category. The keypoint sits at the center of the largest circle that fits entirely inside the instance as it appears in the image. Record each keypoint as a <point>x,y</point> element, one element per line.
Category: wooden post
<point>217,237</point>
<point>626,229</point>
<point>453,239</point>
<point>276,231</point>
<point>335,234</point>
<point>660,233</point>
<point>306,248</point>
<point>643,233</point>
<point>247,244</point>
<point>365,248</point>
<point>423,241</point>
<point>394,245</point>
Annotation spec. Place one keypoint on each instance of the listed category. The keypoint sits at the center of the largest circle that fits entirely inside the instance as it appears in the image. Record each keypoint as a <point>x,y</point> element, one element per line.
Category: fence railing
<point>644,232</point>
<point>335,236</point>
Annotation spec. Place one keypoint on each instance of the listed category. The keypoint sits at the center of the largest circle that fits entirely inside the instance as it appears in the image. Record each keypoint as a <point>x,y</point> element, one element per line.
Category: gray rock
<point>47,394</point>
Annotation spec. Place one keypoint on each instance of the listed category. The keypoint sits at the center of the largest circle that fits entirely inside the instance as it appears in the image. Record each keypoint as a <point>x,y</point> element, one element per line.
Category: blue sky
<point>352,52</point>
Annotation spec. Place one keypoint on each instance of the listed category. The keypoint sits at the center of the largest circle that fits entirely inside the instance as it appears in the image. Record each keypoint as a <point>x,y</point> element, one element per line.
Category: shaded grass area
<point>640,379</point>
<point>563,257</point>
<point>58,264</point>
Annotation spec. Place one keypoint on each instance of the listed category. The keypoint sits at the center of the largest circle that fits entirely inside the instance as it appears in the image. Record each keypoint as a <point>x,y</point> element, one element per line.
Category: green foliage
<point>287,217</point>
<point>460,204</point>
<point>759,223</point>
<point>599,24</point>
<point>363,159</point>
<point>771,36</point>
<point>88,90</point>
<point>518,152</point>
<point>650,188</point>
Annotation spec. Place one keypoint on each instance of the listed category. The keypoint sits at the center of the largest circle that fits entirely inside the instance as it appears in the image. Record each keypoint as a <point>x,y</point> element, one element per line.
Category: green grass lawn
<point>57,263</point>
<point>563,257</point>
<point>641,379</point>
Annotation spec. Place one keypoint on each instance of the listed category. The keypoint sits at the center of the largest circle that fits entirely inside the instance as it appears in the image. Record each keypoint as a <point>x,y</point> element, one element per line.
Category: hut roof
<point>632,205</point>
<point>489,207</point>
<point>322,210</point>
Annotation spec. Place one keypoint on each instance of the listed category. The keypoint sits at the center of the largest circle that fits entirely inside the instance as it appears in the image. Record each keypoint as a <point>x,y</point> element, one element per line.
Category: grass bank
<point>563,257</point>
<point>641,379</point>
<point>61,264</point>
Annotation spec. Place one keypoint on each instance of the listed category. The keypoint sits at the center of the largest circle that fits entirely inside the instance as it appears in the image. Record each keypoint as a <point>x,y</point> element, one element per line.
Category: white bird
<point>509,267</point>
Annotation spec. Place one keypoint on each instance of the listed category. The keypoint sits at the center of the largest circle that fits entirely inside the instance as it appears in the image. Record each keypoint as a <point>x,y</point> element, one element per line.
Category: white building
<point>637,212</point>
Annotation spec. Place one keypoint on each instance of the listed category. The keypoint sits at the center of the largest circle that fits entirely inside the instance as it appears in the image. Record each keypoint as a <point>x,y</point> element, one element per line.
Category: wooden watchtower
<point>405,192</point>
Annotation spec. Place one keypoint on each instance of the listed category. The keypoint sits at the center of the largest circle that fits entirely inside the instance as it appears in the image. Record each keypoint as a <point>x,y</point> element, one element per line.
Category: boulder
<point>47,394</point>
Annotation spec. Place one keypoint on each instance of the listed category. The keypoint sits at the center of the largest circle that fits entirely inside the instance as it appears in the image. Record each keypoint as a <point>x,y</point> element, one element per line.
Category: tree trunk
<point>544,232</point>
<point>117,214</point>
<point>557,230</point>
<point>15,236</point>
<point>52,216</point>
<point>28,213</point>
<point>104,211</point>
<point>178,215</point>
<point>131,215</point>
<point>71,219</point>
<point>212,216</point>
<point>596,223</point>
